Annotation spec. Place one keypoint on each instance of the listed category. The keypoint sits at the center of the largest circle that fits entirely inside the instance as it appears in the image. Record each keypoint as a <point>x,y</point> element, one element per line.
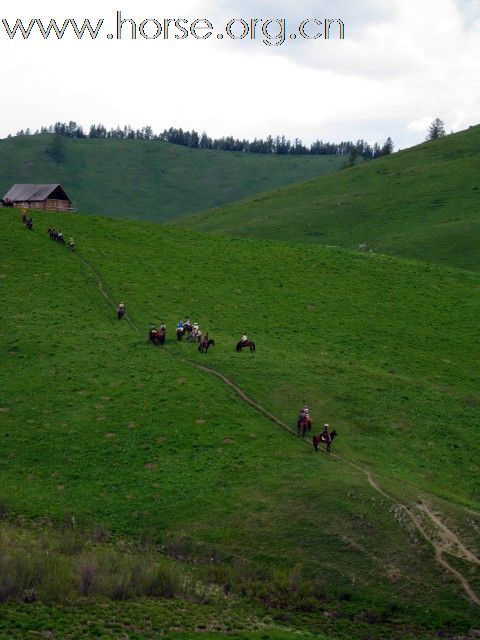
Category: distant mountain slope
<point>423,203</point>
<point>150,180</point>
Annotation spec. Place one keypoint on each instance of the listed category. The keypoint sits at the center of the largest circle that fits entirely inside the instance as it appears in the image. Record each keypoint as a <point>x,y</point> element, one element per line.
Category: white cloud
<point>402,63</point>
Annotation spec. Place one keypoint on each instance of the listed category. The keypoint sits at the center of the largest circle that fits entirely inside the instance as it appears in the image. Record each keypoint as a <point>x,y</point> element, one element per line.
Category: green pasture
<point>150,179</point>
<point>422,203</point>
<point>99,426</point>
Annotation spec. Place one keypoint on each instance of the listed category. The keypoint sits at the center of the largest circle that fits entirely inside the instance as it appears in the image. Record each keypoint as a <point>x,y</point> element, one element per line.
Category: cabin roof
<point>35,192</point>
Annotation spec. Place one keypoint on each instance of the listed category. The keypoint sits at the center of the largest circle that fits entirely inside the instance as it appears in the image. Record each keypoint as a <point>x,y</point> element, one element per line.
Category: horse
<point>205,344</point>
<point>194,337</point>
<point>180,332</point>
<point>245,343</point>
<point>321,438</point>
<point>157,336</point>
<point>29,224</point>
<point>304,424</point>
<point>120,312</point>
<point>71,246</point>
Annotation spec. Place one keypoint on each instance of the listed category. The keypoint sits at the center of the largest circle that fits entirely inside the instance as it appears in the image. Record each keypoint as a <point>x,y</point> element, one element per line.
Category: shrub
<point>87,569</point>
<point>163,582</point>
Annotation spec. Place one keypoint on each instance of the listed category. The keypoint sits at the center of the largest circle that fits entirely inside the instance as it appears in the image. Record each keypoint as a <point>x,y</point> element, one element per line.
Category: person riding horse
<point>304,422</point>
<point>120,311</point>
<point>195,334</point>
<point>325,436</point>
<point>245,342</point>
<point>71,244</point>
<point>205,343</point>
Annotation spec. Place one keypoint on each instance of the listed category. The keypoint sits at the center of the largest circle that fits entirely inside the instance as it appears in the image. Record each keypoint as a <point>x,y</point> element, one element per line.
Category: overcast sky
<point>401,64</point>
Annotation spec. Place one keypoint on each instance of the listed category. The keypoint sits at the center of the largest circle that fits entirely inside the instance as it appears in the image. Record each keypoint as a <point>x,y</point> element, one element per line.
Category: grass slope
<point>421,203</point>
<point>150,180</point>
<point>94,422</point>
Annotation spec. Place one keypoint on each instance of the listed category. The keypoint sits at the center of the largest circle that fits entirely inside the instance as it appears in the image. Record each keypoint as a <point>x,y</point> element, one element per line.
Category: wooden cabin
<point>49,197</point>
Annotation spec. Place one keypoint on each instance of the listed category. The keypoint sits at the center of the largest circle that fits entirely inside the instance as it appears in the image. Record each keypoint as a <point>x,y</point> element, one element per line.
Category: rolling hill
<point>377,540</point>
<point>421,203</point>
<point>150,180</point>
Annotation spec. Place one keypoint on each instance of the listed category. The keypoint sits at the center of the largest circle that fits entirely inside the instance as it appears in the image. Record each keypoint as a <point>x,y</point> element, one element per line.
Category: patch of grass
<point>150,180</point>
<point>420,203</point>
<point>370,343</point>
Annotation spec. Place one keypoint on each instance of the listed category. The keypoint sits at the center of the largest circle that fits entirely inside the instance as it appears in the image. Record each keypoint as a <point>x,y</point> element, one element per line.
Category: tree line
<point>278,145</point>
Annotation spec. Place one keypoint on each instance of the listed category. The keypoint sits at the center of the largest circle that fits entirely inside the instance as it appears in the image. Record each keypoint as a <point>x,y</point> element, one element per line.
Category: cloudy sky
<point>401,64</point>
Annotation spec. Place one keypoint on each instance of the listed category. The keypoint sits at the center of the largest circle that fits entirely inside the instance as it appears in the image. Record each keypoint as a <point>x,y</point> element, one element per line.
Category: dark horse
<point>205,344</point>
<point>120,312</point>
<point>245,343</point>
<point>321,438</point>
<point>157,336</point>
<point>304,424</point>
<point>180,333</point>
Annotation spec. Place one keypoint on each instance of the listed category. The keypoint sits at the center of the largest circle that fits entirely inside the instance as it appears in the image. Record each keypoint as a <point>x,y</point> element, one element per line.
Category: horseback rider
<point>304,413</point>
<point>180,324</point>
<point>60,236</point>
<point>244,339</point>
<point>71,243</point>
<point>196,333</point>
<point>326,434</point>
<point>163,328</point>
<point>121,310</point>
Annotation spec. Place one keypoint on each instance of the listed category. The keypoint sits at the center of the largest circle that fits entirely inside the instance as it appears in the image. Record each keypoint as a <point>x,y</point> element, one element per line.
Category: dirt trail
<point>448,539</point>
<point>439,536</point>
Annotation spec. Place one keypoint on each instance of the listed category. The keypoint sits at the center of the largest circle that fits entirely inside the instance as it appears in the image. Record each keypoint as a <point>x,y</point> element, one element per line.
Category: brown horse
<point>245,343</point>
<point>157,336</point>
<point>180,333</point>
<point>205,344</point>
<point>304,424</point>
<point>321,438</point>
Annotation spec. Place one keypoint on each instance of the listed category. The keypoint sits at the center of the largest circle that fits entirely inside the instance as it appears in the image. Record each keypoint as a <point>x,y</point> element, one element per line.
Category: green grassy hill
<point>100,428</point>
<point>150,180</point>
<point>421,203</point>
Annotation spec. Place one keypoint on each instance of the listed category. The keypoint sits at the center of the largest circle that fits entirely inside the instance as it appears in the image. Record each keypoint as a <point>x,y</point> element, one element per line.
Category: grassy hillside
<point>150,180</point>
<point>98,425</point>
<point>421,203</point>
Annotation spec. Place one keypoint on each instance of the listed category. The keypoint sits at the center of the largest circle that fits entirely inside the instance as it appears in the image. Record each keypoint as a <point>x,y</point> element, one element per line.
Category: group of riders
<point>53,233</point>
<point>58,236</point>
<point>304,424</point>
<point>192,331</point>
<point>194,334</point>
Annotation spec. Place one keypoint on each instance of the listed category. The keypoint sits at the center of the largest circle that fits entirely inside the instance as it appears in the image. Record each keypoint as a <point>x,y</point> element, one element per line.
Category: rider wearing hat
<point>326,434</point>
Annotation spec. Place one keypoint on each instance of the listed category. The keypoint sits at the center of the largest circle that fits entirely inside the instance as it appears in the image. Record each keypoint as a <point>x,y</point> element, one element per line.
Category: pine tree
<point>387,148</point>
<point>436,130</point>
